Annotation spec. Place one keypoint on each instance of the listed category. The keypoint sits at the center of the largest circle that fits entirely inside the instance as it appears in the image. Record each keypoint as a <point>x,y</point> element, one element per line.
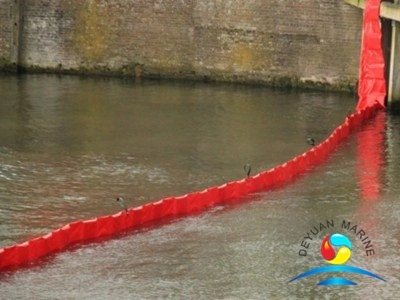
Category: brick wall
<point>5,33</point>
<point>237,40</point>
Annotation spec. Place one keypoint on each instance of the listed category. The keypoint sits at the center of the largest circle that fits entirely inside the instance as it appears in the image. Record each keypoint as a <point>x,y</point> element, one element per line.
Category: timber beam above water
<point>387,10</point>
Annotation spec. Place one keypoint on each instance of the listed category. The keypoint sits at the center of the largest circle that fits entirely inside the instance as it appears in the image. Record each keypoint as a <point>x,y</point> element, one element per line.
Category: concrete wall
<point>274,42</point>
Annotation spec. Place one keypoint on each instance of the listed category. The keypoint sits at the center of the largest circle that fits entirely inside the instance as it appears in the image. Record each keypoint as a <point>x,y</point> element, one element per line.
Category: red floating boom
<point>174,207</point>
<point>371,85</point>
<point>372,94</point>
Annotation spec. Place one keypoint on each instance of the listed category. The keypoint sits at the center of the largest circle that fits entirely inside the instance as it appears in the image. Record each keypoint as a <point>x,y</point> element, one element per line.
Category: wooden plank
<point>357,3</point>
<point>390,11</point>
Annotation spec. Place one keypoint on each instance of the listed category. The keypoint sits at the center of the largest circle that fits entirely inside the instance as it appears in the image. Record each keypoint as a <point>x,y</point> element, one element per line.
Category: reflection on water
<point>70,145</point>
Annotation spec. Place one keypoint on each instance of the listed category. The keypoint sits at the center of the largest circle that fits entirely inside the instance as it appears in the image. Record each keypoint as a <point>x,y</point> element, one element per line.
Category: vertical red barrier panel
<point>258,182</point>
<point>147,213</point>
<point>60,239</point>
<point>3,260</point>
<point>129,219</point>
<point>268,178</point>
<point>355,120</point>
<point>371,86</point>
<point>299,164</point>
<point>89,229</point>
<point>182,205</point>
<point>66,234</point>
<point>334,139</point>
<point>325,147</point>
<point>312,156</point>
<point>189,205</point>
<point>222,193</point>
<point>75,232</point>
<point>169,207</point>
<point>332,143</point>
<point>308,160</point>
<point>213,197</point>
<point>253,184</point>
<point>320,153</point>
<point>338,135</point>
<point>50,241</point>
<point>122,220</point>
<point>10,256</point>
<point>240,188</point>
<point>359,118</point>
<point>37,248</point>
<point>328,146</point>
<point>23,253</point>
<point>293,167</point>
<point>234,190</point>
<point>280,176</point>
<point>194,203</point>
<point>304,161</point>
<point>230,190</point>
<point>317,155</point>
<point>204,198</point>
<point>341,133</point>
<point>286,174</point>
<point>350,120</point>
<point>306,157</point>
<point>346,130</point>
<point>158,210</point>
<point>312,159</point>
<point>135,216</point>
<point>105,226</point>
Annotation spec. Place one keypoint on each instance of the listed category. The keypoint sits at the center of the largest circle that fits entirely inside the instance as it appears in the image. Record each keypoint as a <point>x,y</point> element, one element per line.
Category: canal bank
<point>307,44</point>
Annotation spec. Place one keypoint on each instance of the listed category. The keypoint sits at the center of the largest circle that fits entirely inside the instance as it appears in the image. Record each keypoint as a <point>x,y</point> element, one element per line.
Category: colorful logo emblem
<point>336,250</point>
<point>328,251</point>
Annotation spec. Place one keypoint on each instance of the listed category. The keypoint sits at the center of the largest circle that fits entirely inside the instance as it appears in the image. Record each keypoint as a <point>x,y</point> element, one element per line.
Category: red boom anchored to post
<point>372,85</point>
<point>372,93</point>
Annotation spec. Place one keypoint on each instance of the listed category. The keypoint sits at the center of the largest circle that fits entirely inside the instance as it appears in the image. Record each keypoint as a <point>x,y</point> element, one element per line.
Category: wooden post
<point>394,67</point>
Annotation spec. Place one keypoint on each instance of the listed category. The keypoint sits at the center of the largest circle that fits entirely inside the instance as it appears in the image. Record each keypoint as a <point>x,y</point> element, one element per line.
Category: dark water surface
<point>69,146</point>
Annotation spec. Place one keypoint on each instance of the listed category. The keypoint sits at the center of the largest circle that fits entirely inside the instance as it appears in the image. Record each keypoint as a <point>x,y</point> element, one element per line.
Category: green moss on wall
<point>7,66</point>
<point>136,70</point>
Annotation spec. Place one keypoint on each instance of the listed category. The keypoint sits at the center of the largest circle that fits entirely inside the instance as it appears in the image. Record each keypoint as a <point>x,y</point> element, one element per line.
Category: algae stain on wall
<point>245,57</point>
<point>90,34</point>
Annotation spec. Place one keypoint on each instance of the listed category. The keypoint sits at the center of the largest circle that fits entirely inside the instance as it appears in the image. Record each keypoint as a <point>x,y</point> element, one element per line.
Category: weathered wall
<point>273,41</point>
<point>5,34</point>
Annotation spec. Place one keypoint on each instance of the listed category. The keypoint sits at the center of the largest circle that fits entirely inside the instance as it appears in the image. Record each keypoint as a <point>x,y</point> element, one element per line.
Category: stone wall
<point>274,42</point>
